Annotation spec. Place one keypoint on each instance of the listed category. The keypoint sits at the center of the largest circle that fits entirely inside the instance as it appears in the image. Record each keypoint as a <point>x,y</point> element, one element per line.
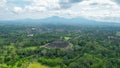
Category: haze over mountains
<point>61,20</point>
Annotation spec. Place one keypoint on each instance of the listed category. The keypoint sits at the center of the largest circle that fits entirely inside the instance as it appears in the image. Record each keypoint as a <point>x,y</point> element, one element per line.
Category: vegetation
<point>59,45</point>
<point>36,65</point>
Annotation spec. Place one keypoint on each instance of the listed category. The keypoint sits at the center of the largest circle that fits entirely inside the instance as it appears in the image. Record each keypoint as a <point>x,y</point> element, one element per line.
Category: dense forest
<point>36,45</point>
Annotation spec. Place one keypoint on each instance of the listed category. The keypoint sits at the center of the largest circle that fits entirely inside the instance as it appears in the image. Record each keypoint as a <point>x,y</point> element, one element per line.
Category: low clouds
<point>91,9</point>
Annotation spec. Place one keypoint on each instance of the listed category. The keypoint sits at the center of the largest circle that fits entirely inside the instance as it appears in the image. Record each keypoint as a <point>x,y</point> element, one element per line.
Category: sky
<point>99,10</point>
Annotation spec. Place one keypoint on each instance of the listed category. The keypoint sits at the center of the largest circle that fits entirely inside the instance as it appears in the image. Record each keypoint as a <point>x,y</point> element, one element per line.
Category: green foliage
<point>51,62</point>
<point>36,65</point>
<point>95,46</point>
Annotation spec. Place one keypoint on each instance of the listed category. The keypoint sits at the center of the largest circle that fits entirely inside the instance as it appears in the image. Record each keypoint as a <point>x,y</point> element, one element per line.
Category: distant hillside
<point>60,20</point>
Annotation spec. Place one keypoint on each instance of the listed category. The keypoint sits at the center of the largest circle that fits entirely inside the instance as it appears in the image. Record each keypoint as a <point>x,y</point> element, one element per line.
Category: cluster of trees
<point>92,46</point>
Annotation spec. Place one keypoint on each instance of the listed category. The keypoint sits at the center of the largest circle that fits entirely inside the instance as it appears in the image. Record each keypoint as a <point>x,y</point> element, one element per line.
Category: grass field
<point>37,65</point>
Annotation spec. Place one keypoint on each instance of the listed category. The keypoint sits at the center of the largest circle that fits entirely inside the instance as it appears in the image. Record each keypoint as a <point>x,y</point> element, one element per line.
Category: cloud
<point>19,3</point>
<point>35,8</point>
<point>91,9</point>
<point>2,3</point>
<point>68,3</point>
<point>116,1</point>
<point>75,1</point>
<point>18,9</point>
<point>43,5</point>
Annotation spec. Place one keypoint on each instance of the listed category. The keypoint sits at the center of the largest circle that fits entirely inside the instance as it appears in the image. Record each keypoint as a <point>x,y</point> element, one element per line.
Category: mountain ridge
<point>56,19</point>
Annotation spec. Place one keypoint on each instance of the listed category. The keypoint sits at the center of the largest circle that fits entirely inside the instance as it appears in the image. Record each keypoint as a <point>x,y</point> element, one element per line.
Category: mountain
<point>53,19</point>
<point>61,20</point>
<point>57,19</point>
